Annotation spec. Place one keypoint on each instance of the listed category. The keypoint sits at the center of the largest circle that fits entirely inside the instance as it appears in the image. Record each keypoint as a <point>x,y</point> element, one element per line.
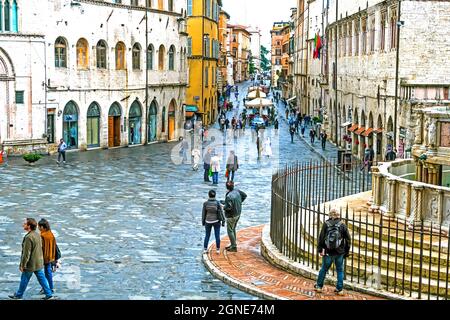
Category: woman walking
<point>212,217</point>
<point>48,250</point>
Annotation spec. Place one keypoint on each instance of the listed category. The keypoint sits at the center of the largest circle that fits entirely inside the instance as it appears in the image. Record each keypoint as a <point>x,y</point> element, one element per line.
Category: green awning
<point>191,108</point>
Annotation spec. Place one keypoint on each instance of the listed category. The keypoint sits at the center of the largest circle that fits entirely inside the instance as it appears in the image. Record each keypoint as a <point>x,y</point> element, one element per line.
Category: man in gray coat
<point>32,261</point>
<point>233,208</point>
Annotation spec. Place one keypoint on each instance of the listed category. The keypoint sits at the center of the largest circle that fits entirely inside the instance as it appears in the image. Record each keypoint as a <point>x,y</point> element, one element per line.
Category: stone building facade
<point>79,69</point>
<point>276,50</point>
<point>359,82</point>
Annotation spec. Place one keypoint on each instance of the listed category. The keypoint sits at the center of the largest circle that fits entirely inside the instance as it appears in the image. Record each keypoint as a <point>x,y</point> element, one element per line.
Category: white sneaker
<point>205,250</point>
<point>218,251</point>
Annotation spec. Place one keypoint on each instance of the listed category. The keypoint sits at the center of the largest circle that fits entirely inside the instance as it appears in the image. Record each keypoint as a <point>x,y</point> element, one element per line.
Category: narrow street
<point>128,221</point>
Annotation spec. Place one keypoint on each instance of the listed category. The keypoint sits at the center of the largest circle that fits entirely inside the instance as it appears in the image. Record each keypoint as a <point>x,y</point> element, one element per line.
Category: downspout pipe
<point>397,62</point>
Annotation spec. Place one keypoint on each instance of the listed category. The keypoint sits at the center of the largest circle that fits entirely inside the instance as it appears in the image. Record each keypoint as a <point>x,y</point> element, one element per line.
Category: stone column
<point>408,201</point>
<point>417,213</point>
<point>374,201</point>
<point>391,207</point>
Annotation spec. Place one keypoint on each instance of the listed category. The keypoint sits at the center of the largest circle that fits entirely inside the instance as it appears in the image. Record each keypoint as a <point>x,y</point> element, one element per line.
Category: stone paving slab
<point>250,272</point>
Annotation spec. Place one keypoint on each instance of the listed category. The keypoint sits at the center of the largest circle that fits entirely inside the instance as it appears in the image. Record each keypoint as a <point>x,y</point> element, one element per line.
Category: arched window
<point>82,54</point>
<point>393,32</point>
<point>161,54</point>
<point>120,56</point>
<point>150,51</point>
<point>7,16</point>
<point>15,23</point>
<point>60,53</point>
<point>172,58</point>
<point>101,54</point>
<point>136,57</point>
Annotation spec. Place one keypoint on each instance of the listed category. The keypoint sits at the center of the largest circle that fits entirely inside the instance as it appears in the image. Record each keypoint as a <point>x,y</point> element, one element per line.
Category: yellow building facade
<point>223,40</point>
<point>203,55</point>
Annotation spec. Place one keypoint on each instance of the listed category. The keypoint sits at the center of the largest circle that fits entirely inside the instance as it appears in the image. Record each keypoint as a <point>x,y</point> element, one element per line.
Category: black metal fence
<point>387,253</point>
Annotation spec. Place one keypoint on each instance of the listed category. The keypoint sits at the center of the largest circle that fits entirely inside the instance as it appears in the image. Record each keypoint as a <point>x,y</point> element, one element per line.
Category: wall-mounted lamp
<point>59,113</point>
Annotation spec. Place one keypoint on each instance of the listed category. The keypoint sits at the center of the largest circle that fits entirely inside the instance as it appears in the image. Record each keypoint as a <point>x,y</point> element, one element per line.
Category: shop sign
<point>70,117</point>
<point>402,132</point>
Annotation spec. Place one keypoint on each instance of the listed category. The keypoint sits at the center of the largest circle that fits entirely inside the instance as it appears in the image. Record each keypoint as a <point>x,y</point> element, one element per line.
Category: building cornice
<point>125,6</point>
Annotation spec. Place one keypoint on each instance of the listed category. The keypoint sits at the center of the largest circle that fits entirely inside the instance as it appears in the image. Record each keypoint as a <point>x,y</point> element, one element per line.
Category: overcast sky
<point>261,13</point>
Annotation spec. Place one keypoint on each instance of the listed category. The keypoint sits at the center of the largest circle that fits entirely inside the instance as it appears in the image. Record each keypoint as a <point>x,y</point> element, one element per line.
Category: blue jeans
<point>230,176</point>
<point>326,264</point>
<point>215,178</point>
<point>25,278</point>
<point>208,227</point>
<point>49,274</point>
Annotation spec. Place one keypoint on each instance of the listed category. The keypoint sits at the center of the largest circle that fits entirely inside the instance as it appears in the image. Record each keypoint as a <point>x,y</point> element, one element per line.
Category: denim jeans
<point>49,274</point>
<point>215,178</point>
<point>208,227</point>
<point>326,264</point>
<point>230,176</point>
<point>63,155</point>
<point>25,278</point>
<point>231,230</point>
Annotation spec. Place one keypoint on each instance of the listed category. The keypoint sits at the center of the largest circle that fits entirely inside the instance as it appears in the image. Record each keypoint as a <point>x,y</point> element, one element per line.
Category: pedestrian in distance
<point>303,128</point>
<point>233,208</point>
<point>390,154</point>
<point>267,148</point>
<point>323,138</point>
<point>196,159</point>
<point>368,158</point>
<point>48,251</point>
<point>312,135</point>
<point>215,168</point>
<point>212,217</point>
<point>232,166</point>
<point>184,147</point>
<point>333,245</point>
<point>276,124</point>
<point>207,165</point>
<point>62,147</point>
<point>32,261</point>
<point>258,145</point>
<point>292,132</point>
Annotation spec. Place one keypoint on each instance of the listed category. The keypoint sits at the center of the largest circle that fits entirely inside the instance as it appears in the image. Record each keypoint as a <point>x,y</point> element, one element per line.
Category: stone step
<point>428,241</point>
<point>383,276</point>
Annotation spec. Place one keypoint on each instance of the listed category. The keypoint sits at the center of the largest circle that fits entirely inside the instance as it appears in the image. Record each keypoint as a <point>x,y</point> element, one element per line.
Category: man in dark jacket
<point>32,261</point>
<point>333,251</point>
<point>233,208</point>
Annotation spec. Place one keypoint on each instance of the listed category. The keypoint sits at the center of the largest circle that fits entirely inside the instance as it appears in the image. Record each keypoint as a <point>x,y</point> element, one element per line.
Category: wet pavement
<point>128,220</point>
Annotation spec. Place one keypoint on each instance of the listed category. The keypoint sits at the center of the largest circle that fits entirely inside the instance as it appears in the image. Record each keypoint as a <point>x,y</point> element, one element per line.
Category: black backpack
<point>333,238</point>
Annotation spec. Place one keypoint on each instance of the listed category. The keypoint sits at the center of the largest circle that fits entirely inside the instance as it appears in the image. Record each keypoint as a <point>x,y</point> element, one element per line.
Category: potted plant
<point>31,157</point>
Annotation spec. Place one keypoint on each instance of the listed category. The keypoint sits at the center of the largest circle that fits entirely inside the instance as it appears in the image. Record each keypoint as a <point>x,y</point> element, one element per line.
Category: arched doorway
<point>390,133</point>
<point>152,122</point>
<point>172,120</point>
<point>114,114</point>
<point>70,125</point>
<point>135,123</point>
<point>93,126</point>
<point>370,136</point>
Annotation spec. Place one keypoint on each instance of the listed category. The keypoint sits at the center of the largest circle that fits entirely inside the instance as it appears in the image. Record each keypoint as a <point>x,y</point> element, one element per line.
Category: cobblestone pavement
<point>128,220</point>
<point>250,268</point>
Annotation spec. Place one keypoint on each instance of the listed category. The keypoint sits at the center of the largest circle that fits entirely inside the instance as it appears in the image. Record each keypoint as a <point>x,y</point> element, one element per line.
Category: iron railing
<point>387,253</point>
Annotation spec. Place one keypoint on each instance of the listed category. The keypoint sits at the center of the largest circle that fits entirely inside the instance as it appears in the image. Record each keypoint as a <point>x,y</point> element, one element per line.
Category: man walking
<point>207,165</point>
<point>232,165</point>
<point>32,260</point>
<point>323,138</point>
<point>62,151</point>
<point>292,132</point>
<point>312,135</point>
<point>334,246</point>
<point>233,208</point>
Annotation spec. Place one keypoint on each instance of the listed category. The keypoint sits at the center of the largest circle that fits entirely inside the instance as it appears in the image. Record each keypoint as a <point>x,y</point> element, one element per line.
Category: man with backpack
<point>334,246</point>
